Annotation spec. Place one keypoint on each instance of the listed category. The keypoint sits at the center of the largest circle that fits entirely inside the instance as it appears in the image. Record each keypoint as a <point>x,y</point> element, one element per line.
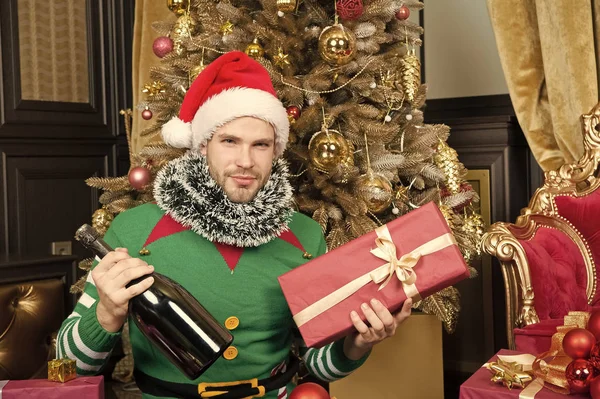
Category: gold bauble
<point>327,149</point>
<point>255,50</point>
<point>195,71</point>
<point>337,45</point>
<point>184,29</point>
<point>376,190</point>
<point>286,5</point>
<point>101,220</point>
<point>179,7</point>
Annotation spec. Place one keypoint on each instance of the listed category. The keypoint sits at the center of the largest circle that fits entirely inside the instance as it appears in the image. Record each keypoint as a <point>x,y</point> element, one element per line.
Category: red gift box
<point>412,256</point>
<point>79,388</point>
<point>480,386</point>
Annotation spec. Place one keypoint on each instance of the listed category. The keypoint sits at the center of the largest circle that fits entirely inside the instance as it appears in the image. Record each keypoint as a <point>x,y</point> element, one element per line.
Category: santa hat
<point>232,86</point>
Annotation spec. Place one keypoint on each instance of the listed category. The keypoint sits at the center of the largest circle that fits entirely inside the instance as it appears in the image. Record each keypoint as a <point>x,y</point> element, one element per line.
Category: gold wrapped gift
<point>61,370</point>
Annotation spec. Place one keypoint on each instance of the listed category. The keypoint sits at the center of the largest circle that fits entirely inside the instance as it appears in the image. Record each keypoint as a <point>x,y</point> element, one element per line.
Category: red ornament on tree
<point>309,390</point>
<point>593,325</point>
<point>580,374</point>
<point>147,114</point>
<point>139,177</point>
<point>595,388</point>
<point>403,13</point>
<point>162,46</point>
<point>349,9</point>
<point>293,112</point>
<point>578,343</point>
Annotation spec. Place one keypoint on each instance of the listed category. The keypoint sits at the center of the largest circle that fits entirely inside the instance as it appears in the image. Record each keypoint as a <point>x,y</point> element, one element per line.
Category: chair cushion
<point>583,213</point>
<point>536,338</point>
<point>558,273</point>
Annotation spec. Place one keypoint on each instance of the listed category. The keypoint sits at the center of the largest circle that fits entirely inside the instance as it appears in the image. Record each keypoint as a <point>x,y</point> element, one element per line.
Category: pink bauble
<point>403,13</point>
<point>162,46</point>
<point>147,114</point>
<point>139,177</point>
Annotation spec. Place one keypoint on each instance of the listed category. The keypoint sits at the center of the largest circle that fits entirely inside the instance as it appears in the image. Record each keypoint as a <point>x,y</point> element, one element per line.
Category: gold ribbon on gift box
<point>403,268</point>
<point>548,368</point>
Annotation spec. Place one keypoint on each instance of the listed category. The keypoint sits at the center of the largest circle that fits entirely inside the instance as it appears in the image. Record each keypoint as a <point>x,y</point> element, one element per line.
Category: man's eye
<point>228,141</point>
<point>262,144</point>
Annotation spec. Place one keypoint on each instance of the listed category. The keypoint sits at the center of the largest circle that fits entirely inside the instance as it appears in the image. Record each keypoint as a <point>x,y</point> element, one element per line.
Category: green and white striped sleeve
<point>81,337</point>
<point>330,363</point>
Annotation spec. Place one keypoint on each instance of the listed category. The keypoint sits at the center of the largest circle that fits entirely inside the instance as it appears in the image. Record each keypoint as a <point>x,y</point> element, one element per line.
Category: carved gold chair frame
<point>502,239</point>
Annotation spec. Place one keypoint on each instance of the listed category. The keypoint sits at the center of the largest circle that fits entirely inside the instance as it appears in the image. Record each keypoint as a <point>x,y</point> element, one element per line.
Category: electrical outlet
<point>61,248</point>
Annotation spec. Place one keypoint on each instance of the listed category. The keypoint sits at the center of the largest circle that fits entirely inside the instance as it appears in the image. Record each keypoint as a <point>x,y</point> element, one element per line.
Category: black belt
<point>233,390</point>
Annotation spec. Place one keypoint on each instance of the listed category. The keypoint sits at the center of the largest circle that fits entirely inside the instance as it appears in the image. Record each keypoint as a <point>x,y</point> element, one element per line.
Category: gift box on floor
<point>480,386</point>
<point>413,256</point>
<point>79,388</point>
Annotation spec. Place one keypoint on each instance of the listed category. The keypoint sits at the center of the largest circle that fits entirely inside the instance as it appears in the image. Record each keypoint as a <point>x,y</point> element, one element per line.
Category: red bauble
<point>147,114</point>
<point>578,343</point>
<point>162,46</point>
<point>595,388</point>
<point>139,177</point>
<point>293,111</point>
<point>349,9</point>
<point>580,374</point>
<point>309,390</point>
<point>403,13</point>
<point>593,325</point>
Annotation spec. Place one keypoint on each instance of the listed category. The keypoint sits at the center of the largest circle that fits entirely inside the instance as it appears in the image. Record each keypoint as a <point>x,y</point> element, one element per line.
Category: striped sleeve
<point>329,363</point>
<point>81,337</point>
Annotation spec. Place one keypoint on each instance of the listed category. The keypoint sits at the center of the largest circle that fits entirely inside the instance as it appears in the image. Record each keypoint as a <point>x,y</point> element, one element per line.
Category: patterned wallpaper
<point>53,50</point>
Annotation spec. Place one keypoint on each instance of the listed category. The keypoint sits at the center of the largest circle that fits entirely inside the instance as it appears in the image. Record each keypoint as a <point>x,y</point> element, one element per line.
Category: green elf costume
<point>228,255</point>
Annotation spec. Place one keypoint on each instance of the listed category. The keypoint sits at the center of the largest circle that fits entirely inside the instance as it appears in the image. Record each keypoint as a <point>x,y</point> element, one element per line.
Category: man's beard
<point>235,193</point>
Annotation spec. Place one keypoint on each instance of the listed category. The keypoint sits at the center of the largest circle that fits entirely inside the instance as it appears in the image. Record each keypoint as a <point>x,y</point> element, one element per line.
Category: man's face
<point>240,157</point>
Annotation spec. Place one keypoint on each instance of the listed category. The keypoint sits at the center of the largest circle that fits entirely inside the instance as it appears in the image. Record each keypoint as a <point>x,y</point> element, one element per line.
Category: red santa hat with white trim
<point>232,86</point>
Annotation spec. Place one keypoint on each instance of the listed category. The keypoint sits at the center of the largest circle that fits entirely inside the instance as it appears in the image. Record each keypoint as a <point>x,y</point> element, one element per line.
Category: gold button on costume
<point>232,323</point>
<point>230,353</point>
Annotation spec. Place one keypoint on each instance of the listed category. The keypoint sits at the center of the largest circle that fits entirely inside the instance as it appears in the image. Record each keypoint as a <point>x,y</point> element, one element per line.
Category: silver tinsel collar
<point>185,190</point>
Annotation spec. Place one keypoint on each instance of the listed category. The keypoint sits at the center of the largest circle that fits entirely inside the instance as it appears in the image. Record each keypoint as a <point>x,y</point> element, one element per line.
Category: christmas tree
<point>359,150</point>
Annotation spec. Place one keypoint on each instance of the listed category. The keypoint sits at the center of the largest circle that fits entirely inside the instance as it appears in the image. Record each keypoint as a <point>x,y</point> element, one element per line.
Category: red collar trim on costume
<point>167,226</point>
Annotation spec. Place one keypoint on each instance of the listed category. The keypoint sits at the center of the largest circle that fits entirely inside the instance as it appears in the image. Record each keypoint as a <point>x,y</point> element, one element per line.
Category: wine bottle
<point>170,317</point>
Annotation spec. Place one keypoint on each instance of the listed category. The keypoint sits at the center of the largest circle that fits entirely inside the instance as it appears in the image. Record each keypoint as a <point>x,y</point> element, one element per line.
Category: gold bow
<point>510,374</point>
<point>403,267</point>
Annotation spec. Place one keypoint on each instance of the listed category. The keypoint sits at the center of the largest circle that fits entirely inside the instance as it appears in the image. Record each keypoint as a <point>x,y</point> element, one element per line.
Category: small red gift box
<point>79,388</point>
<point>413,256</point>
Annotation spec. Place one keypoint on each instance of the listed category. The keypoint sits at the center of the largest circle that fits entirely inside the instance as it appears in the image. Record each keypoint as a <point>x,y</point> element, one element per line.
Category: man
<point>223,227</point>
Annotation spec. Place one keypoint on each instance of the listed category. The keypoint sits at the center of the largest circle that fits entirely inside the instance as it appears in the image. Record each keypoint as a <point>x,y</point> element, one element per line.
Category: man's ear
<point>203,149</point>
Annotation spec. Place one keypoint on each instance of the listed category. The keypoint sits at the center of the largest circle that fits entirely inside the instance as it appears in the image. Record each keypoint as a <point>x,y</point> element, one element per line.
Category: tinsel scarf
<point>186,191</point>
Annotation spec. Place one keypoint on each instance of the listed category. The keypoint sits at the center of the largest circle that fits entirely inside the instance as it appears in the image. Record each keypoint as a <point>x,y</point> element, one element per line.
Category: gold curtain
<point>53,50</point>
<point>146,13</point>
<point>547,52</point>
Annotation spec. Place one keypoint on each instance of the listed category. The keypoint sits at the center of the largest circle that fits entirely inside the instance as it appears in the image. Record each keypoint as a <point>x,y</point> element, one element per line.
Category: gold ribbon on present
<point>548,368</point>
<point>403,268</point>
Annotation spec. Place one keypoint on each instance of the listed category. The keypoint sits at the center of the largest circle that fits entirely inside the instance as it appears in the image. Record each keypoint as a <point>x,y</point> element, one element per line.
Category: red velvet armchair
<point>550,256</point>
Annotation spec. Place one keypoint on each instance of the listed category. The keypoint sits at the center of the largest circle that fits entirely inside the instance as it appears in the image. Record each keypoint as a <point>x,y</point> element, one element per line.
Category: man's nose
<point>245,158</point>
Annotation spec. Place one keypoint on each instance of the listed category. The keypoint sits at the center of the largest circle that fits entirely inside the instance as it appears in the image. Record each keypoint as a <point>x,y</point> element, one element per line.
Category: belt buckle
<point>202,388</point>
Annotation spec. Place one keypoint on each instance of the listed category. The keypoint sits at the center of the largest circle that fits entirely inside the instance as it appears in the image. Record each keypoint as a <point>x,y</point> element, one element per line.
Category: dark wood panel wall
<point>49,148</point>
